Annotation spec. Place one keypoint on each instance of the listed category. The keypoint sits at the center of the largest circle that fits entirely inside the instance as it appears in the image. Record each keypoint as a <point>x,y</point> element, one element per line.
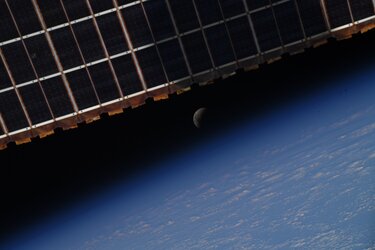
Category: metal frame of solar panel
<point>67,61</point>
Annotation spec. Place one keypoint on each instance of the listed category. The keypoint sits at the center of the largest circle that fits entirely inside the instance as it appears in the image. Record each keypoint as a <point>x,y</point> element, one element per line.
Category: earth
<point>299,177</point>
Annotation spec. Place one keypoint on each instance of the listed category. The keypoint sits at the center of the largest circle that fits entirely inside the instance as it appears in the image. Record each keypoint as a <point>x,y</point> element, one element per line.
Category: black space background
<point>33,186</point>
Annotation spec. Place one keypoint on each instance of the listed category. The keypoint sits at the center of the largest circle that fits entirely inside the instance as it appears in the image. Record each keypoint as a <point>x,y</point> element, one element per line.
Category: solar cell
<point>184,15</point>
<point>312,17</point>
<point>112,33</point>
<point>232,8</point>
<point>266,29</point>
<point>66,47</point>
<point>196,52</point>
<point>88,40</point>
<point>53,12</point>
<point>220,44</point>
<point>122,2</point>
<point>57,96</point>
<point>25,16</point>
<point>255,4</point>
<point>76,9</point>
<point>35,103</point>
<point>41,55</point>
<point>159,18</point>
<point>7,28</point>
<point>173,59</point>
<point>100,5</point>
<point>151,67</point>
<point>18,62</point>
<point>127,75</point>
<point>338,12</point>
<point>288,22</point>
<point>242,38</point>
<point>362,8</point>
<point>104,83</point>
<point>4,78</point>
<point>137,26</point>
<point>12,112</point>
<point>82,88</point>
<point>209,11</point>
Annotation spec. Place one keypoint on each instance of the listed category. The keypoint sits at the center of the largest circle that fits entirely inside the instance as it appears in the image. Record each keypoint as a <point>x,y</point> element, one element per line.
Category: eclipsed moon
<point>199,117</point>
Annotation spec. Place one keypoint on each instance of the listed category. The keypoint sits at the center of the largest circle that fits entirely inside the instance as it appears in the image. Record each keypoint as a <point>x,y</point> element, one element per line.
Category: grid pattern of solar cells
<point>62,57</point>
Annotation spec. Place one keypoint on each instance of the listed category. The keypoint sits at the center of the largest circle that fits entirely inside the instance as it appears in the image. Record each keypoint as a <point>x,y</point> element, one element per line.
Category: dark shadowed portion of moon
<point>199,117</point>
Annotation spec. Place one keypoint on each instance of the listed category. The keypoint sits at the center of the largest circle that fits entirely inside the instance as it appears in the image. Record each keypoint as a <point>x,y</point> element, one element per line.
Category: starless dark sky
<point>46,176</point>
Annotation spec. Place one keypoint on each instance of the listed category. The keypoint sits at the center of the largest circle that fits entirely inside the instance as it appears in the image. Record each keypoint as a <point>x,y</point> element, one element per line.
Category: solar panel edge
<point>162,91</point>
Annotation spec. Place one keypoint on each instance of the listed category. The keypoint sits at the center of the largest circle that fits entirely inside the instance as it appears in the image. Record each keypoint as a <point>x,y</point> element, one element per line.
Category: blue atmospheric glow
<point>301,177</point>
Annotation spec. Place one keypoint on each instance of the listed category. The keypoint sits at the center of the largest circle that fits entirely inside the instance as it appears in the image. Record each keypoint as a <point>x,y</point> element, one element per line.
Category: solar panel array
<point>62,58</point>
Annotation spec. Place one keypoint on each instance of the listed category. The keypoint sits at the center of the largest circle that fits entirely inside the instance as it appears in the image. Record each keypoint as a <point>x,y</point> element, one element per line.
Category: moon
<point>199,117</point>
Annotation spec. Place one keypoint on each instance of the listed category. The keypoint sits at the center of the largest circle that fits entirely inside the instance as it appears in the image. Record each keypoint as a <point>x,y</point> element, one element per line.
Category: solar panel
<point>338,12</point>
<point>53,13</point>
<point>35,103</point>
<point>242,37</point>
<point>232,8</point>
<point>256,4</point>
<point>76,9</point>
<point>159,18</point>
<point>18,62</point>
<point>222,53</point>
<point>151,67</point>
<point>7,28</point>
<point>288,22</point>
<point>4,77</point>
<point>12,112</point>
<point>173,60</point>
<point>112,34</point>
<point>137,26</point>
<point>57,97</point>
<point>209,11</point>
<point>41,55</point>
<point>83,89</point>
<point>266,29</point>
<point>312,17</point>
<point>66,47</point>
<point>127,75</point>
<point>88,40</point>
<point>63,57</point>
<point>197,53</point>
<point>100,5</point>
<point>24,15</point>
<point>104,82</point>
<point>361,8</point>
<point>185,15</point>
